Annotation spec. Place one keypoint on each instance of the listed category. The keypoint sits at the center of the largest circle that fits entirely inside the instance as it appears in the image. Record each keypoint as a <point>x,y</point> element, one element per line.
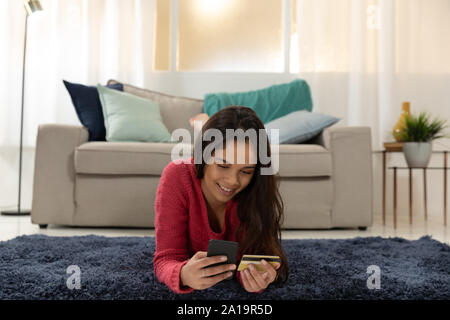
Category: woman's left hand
<point>254,280</point>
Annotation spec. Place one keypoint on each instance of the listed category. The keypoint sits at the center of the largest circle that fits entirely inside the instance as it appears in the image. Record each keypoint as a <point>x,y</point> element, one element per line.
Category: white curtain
<point>362,58</point>
<point>83,41</point>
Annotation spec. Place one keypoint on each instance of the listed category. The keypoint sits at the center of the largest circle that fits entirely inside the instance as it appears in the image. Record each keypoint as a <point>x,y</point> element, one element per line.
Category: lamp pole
<point>31,6</point>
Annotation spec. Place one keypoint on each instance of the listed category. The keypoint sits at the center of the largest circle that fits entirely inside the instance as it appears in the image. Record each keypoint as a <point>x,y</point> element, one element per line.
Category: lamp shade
<point>31,6</point>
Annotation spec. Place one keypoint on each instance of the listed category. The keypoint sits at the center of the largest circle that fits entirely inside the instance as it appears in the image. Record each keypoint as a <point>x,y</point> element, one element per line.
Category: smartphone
<point>223,248</point>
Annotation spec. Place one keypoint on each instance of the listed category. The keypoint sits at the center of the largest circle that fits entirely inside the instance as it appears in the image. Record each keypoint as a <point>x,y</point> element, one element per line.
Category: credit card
<point>248,259</point>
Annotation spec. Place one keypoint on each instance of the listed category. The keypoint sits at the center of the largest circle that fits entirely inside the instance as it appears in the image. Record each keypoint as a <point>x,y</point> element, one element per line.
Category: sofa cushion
<point>88,107</point>
<point>131,118</point>
<point>175,111</point>
<point>147,158</point>
<point>304,160</point>
<point>300,126</point>
<point>122,157</point>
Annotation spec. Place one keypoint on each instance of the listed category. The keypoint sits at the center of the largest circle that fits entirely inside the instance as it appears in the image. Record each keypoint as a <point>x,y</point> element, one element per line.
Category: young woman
<point>218,198</point>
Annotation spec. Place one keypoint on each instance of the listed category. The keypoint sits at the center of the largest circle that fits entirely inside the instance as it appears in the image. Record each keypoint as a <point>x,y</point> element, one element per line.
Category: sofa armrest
<point>351,154</point>
<point>54,173</point>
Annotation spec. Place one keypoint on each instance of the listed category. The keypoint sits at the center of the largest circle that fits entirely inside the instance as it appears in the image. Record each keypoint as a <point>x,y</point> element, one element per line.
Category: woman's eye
<point>225,167</point>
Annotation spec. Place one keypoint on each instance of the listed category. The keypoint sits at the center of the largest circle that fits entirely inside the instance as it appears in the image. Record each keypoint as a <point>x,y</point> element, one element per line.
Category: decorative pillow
<point>175,110</point>
<point>300,126</point>
<point>89,110</point>
<point>131,118</point>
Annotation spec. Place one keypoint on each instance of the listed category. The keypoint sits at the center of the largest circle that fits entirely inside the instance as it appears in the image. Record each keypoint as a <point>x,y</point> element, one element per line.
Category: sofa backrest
<point>175,111</point>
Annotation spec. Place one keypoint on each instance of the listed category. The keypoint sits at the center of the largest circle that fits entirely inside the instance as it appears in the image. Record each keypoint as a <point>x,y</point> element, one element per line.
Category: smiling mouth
<point>224,190</point>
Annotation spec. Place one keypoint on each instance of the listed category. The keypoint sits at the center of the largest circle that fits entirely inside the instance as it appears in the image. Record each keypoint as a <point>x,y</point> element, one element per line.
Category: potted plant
<point>417,135</point>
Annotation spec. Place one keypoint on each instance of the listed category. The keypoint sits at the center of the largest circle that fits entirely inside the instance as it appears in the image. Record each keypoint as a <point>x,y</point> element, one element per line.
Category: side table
<point>444,168</point>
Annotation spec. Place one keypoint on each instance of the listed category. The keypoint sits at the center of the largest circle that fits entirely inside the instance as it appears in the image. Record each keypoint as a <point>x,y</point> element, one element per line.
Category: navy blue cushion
<point>89,109</point>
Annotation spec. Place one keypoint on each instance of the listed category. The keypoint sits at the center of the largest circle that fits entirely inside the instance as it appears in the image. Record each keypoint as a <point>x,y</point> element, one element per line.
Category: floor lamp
<point>31,6</point>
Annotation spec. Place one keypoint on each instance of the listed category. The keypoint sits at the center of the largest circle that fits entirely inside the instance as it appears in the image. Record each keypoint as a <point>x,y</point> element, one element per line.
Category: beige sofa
<point>325,183</point>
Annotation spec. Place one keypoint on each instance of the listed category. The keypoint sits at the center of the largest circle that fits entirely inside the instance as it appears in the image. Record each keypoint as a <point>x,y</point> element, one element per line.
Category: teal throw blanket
<point>268,103</point>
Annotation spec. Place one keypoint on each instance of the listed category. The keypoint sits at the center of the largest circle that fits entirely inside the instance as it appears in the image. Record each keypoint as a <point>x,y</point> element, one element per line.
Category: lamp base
<point>16,213</point>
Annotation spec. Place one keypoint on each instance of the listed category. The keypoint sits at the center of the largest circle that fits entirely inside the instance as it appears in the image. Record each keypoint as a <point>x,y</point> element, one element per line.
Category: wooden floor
<point>11,227</point>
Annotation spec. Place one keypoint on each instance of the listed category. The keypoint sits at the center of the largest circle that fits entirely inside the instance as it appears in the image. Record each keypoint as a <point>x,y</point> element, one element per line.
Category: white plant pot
<point>417,154</point>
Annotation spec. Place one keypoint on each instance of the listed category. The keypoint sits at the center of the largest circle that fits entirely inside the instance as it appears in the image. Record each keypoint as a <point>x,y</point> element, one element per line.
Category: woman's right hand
<point>195,276</point>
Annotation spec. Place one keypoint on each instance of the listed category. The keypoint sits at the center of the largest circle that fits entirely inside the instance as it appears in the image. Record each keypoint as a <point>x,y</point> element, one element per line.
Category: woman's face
<point>224,178</point>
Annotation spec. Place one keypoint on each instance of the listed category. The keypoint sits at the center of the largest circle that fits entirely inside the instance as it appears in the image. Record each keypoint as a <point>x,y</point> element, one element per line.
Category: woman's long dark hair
<point>260,206</point>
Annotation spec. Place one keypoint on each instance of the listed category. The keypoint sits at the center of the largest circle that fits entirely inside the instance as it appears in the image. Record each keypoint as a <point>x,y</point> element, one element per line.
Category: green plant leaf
<point>420,128</point>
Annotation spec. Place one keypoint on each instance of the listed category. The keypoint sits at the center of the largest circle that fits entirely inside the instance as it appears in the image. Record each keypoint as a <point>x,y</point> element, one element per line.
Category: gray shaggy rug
<point>37,267</point>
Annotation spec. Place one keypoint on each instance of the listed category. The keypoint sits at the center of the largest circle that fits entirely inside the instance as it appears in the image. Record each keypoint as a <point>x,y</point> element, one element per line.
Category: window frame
<point>173,50</point>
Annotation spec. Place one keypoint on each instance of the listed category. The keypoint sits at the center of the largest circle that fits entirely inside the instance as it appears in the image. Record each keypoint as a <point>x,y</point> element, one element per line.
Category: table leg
<point>395,197</point>
<point>384,188</point>
<point>445,188</point>
<point>410,196</point>
<point>425,192</point>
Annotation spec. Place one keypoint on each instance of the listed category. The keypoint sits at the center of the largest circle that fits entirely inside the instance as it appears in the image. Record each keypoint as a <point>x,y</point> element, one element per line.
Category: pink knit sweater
<point>181,223</point>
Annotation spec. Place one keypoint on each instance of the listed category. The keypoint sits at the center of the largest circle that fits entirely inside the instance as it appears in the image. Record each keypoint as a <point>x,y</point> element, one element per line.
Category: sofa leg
<point>362,228</point>
<point>43,226</point>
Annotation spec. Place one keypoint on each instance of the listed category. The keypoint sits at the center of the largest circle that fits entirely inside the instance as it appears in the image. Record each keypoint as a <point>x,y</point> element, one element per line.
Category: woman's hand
<point>254,280</point>
<point>195,276</point>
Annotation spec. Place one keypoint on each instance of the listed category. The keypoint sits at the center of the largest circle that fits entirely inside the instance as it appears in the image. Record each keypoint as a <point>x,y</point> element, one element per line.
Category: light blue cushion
<point>300,126</point>
<point>131,118</point>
